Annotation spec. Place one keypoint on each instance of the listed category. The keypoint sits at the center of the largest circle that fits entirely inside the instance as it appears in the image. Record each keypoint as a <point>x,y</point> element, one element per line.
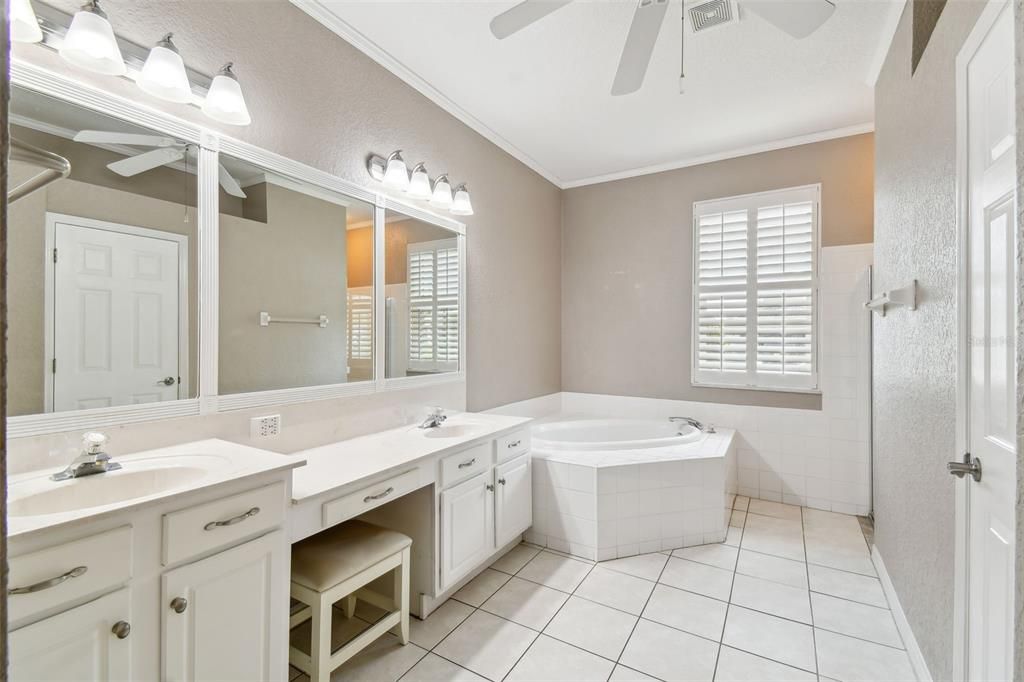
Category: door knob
<point>970,465</point>
<point>168,381</point>
<point>121,629</point>
<point>179,604</point>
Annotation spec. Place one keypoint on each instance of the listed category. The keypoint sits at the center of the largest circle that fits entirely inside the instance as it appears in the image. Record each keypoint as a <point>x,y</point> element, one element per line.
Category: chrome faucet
<point>434,419</point>
<point>694,423</point>
<point>92,459</point>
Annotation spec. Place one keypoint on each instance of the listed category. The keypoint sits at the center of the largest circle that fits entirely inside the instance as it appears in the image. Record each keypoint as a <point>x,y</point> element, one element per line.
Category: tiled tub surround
<point>608,504</point>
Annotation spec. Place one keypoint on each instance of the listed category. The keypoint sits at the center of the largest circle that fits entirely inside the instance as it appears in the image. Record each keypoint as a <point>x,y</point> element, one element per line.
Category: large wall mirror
<point>102,278</point>
<point>296,283</point>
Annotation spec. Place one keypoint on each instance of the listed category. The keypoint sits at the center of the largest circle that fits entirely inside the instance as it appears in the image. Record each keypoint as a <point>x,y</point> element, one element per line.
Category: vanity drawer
<point>465,464</point>
<point>61,574</point>
<point>363,500</point>
<point>512,444</point>
<point>204,527</point>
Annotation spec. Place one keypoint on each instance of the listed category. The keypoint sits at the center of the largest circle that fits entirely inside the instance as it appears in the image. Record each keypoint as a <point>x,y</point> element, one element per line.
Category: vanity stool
<point>338,564</point>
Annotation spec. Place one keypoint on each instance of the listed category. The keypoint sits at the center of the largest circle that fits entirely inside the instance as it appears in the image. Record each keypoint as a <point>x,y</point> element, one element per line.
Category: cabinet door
<point>78,644</point>
<point>467,527</point>
<point>513,499</point>
<point>232,624</point>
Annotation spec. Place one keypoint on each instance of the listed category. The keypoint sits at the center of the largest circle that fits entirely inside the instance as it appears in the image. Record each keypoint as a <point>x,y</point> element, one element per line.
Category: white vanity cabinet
<point>513,499</point>
<point>467,527</point>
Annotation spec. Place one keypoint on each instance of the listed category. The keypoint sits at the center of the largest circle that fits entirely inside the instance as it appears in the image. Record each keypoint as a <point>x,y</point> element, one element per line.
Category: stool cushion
<point>322,561</point>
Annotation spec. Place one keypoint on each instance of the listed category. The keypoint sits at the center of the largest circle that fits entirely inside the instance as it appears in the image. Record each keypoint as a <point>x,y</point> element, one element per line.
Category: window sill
<point>760,389</point>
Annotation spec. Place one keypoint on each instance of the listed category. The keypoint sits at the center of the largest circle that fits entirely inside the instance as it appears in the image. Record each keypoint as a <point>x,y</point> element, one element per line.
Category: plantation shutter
<point>359,311</point>
<point>755,290</point>
<point>434,306</point>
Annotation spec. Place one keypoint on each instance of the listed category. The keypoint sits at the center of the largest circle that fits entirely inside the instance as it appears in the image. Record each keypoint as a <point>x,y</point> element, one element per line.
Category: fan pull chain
<point>682,53</point>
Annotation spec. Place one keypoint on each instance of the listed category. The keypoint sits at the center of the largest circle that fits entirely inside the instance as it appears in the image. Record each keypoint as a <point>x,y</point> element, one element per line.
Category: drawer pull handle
<point>121,629</point>
<point>501,481</point>
<point>379,496</point>
<point>233,520</point>
<point>52,582</point>
<point>179,604</point>
<point>469,463</point>
<point>514,444</point>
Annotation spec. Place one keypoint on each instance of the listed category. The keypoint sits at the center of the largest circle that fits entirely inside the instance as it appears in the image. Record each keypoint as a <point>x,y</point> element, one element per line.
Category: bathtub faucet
<point>688,420</point>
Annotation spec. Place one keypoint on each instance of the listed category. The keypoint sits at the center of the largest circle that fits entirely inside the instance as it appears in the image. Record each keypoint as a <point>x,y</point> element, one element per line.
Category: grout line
<point>810,602</point>
<point>639,618</point>
<point>732,584</point>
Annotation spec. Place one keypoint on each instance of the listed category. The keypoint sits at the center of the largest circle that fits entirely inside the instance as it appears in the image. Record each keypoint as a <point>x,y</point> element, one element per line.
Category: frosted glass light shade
<point>442,195</point>
<point>163,75</point>
<point>461,205</point>
<point>90,43</point>
<point>24,23</point>
<point>419,185</point>
<point>396,173</point>
<point>224,101</point>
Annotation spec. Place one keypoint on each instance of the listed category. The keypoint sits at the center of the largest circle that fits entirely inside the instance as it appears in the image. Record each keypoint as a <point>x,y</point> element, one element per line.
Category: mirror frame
<point>211,144</point>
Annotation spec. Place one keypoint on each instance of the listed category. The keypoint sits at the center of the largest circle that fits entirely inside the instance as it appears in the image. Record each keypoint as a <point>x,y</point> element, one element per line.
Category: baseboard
<point>902,624</point>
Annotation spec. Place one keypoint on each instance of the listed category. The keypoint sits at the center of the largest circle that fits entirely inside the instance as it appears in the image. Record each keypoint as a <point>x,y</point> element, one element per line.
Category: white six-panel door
<point>116,316</point>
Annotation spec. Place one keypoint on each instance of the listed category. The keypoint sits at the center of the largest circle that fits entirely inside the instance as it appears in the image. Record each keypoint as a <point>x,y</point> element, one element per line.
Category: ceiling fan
<point>798,18</point>
<point>166,151</point>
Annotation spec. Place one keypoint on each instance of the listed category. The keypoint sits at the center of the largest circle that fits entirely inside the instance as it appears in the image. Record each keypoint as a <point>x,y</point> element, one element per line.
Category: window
<point>434,306</point>
<point>755,282</point>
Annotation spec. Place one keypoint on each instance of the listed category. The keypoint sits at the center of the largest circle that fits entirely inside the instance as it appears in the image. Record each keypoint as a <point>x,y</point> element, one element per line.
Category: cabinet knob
<point>121,629</point>
<point>501,481</point>
<point>490,487</point>
<point>179,604</point>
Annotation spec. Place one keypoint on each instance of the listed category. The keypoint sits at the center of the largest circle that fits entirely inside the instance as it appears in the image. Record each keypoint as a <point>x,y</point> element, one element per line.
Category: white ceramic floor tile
<point>684,610</point>
<point>668,654</point>
<point>526,603</point>
<point>853,586</point>
<point>737,518</point>
<point>741,503</point>
<point>844,558</point>
<point>553,661</point>
<point>769,535</point>
<point>624,674</point>
<point>480,588</point>
<point>771,637</point>
<point>774,598</point>
<point>854,660</point>
<point>343,630</point>
<point>700,578</point>
<point>382,661</point>
<point>486,644</point>
<point>776,509</point>
<point>515,558</point>
<point>617,590</point>
<point>854,619</point>
<point>647,566</point>
<point>843,524</point>
<point>433,668</point>
<point>739,666</point>
<point>734,536</point>
<point>719,555</point>
<point>445,618</point>
<point>556,571</point>
<point>776,569</point>
<point>596,628</point>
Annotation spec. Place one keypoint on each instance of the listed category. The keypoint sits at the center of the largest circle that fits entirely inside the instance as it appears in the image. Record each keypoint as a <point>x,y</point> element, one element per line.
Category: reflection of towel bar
<point>56,167</point>
<point>903,296</point>
<point>266,320</point>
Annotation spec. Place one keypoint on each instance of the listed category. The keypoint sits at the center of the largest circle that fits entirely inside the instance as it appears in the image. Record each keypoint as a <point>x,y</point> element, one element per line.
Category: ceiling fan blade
<point>228,182</point>
<point>145,161</point>
<point>636,53</point>
<point>104,137</point>
<point>798,18</point>
<point>522,15</point>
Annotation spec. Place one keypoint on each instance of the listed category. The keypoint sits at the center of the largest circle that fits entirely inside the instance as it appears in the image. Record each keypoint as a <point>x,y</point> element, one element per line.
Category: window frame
<point>751,380</point>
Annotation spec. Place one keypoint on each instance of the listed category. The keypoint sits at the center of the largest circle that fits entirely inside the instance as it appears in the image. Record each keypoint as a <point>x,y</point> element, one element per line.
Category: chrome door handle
<point>52,582</point>
<point>970,465</point>
<point>233,520</point>
<point>121,629</point>
<point>168,381</point>
<point>179,604</point>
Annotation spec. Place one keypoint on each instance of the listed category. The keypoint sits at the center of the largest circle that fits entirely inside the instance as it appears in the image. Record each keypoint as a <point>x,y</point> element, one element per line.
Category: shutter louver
<point>359,311</point>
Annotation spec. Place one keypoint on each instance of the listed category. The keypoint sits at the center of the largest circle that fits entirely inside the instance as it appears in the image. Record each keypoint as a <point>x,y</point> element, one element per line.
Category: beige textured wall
<point>318,100</point>
<point>914,372</point>
<point>627,273</point>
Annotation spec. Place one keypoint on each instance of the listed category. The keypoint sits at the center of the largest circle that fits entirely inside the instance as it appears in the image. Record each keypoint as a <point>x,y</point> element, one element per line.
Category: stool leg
<point>320,647</point>
<point>401,596</point>
<point>349,606</point>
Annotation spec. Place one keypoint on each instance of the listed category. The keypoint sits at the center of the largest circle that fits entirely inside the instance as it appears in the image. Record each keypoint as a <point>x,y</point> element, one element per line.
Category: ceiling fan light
<point>24,23</point>
<point>224,102</point>
<point>90,43</point>
<point>442,194</point>
<point>163,75</point>
<point>461,205</point>
<point>419,185</point>
<point>396,173</point>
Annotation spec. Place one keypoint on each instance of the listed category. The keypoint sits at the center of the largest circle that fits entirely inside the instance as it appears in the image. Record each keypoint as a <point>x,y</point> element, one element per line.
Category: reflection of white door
<point>985,77</point>
<point>117,329</point>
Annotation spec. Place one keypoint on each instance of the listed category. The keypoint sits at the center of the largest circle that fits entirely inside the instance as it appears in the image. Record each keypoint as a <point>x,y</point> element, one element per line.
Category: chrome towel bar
<point>266,320</point>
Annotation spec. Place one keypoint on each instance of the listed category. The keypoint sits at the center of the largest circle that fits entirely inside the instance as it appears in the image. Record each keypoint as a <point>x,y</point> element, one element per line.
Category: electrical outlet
<point>264,427</point>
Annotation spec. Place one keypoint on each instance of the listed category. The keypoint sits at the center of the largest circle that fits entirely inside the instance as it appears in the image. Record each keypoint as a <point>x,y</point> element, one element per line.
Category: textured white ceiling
<point>543,93</point>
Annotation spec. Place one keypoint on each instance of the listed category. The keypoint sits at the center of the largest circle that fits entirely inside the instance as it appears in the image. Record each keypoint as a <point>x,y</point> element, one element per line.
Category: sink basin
<point>137,479</point>
<point>451,431</point>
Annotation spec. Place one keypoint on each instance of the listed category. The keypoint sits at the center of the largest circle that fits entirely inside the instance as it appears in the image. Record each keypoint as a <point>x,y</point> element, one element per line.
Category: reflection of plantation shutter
<point>755,290</point>
<point>434,306</point>
<point>359,312</point>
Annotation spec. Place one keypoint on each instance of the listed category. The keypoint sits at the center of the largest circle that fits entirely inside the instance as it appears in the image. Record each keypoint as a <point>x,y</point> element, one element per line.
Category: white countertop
<point>338,464</point>
<point>223,460</point>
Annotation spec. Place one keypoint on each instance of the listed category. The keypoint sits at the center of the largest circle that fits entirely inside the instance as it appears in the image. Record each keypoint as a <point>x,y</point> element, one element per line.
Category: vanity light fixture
<point>419,185</point>
<point>90,43</point>
<point>24,22</point>
<point>396,173</point>
<point>442,195</point>
<point>224,101</point>
<point>461,205</point>
<point>163,75</point>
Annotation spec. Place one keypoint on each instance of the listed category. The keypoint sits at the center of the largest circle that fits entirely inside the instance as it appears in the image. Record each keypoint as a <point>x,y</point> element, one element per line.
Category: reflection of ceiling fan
<point>798,18</point>
<point>167,151</point>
